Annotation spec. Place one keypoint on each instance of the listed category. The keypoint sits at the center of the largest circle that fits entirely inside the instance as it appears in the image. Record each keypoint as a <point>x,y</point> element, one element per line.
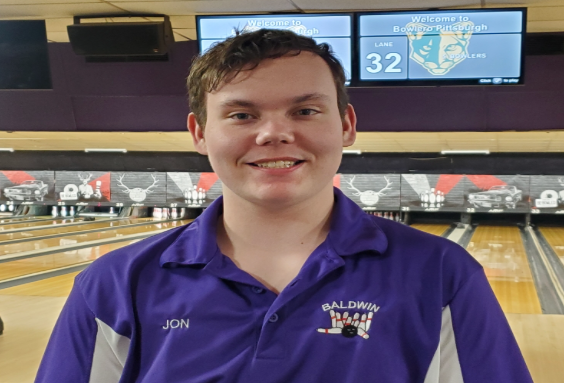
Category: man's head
<point>274,126</point>
<point>245,52</point>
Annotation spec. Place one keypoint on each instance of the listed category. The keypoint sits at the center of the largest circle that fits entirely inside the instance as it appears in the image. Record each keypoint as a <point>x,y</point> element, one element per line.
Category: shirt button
<point>257,290</point>
<point>273,318</point>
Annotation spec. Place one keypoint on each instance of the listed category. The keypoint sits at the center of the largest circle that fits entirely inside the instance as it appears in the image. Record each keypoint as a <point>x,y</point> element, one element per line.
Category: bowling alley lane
<point>436,229</point>
<point>555,238</point>
<point>501,252</point>
<point>10,219</point>
<point>88,225</point>
<point>76,238</point>
<point>18,268</point>
<point>47,222</point>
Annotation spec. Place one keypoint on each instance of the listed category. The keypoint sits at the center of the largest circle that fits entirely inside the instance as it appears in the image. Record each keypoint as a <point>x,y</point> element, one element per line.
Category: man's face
<point>274,134</point>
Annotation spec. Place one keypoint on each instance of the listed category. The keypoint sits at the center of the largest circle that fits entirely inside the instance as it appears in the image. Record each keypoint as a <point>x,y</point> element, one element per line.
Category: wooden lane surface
<point>40,244</point>
<point>32,265</point>
<point>501,252</point>
<point>541,339</point>
<point>555,238</point>
<point>88,225</point>
<point>28,266</point>
<point>59,286</point>
<point>435,229</point>
<point>47,222</point>
<point>12,219</point>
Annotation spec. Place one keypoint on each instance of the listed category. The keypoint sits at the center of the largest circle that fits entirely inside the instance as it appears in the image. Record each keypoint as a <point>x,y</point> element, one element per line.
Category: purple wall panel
<point>526,110</point>
<point>129,78</point>
<point>150,96</point>
<point>124,113</point>
<point>35,111</point>
<point>419,109</point>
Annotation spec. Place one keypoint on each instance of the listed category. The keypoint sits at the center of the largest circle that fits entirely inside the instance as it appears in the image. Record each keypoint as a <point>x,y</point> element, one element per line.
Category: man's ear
<point>197,133</point>
<point>349,126</point>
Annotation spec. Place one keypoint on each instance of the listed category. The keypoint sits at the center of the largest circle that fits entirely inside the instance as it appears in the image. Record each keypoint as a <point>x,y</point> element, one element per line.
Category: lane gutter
<point>76,246</point>
<point>80,232</point>
<point>550,289</point>
<point>34,277</point>
<point>17,230</point>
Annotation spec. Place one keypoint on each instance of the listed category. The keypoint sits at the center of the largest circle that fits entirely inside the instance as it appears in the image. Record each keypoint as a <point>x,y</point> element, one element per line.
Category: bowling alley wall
<point>151,96</point>
<point>373,192</point>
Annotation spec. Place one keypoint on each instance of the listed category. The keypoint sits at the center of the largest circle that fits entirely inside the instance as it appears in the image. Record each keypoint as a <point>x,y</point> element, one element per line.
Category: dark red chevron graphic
<point>105,188</point>
<point>485,182</point>
<point>337,181</point>
<point>207,180</point>
<point>448,181</point>
<point>18,177</point>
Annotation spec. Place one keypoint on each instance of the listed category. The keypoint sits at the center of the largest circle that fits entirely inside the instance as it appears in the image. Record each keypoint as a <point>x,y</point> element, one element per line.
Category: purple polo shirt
<point>376,302</point>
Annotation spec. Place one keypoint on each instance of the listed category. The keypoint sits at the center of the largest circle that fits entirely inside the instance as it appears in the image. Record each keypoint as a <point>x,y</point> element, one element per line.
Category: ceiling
<point>382,142</point>
<point>543,15</point>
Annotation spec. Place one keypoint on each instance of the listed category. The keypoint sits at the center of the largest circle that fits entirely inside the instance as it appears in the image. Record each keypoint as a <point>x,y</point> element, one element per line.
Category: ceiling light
<point>465,152</point>
<point>352,151</point>
<point>7,150</point>
<point>94,150</point>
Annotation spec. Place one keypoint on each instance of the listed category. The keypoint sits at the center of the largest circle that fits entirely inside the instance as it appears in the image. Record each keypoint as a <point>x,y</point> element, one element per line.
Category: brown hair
<point>224,60</point>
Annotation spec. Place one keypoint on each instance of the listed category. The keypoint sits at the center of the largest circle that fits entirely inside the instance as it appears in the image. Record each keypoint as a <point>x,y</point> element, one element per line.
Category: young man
<point>284,279</point>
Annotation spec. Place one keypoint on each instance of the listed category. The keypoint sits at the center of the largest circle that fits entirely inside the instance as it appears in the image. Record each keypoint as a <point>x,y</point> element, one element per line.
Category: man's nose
<point>275,131</point>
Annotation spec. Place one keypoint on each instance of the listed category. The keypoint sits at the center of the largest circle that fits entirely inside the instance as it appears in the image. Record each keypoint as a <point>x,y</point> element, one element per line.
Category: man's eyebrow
<point>310,97</point>
<point>236,102</point>
<point>296,100</point>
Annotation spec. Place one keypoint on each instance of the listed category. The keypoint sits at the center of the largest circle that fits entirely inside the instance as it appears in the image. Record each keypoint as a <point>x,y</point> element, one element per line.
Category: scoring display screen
<point>478,47</point>
<point>333,29</point>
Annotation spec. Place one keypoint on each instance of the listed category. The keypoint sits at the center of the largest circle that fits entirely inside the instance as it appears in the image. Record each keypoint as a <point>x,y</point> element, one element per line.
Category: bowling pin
<point>63,211</point>
<point>432,196</point>
<point>157,212</point>
<point>182,212</point>
<point>10,207</point>
<point>54,212</point>
<point>195,193</point>
<point>2,207</point>
<point>173,213</point>
<point>111,210</point>
<point>165,213</point>
<point>71,211</point>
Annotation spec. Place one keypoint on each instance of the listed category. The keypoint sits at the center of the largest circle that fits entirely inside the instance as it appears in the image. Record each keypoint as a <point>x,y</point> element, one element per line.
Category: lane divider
<point>457,233</point>
<point>5,283</point>
<point>16,230</point>
<point>76,246</point>
<point>552,275</point>
<point>80,232</point>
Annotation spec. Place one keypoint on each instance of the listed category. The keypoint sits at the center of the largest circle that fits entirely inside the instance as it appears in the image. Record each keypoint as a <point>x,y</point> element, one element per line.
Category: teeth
<point>276,164</point>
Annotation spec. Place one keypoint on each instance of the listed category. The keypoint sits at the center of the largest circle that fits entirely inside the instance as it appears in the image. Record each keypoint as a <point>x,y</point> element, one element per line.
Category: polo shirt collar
<point>352,231</point>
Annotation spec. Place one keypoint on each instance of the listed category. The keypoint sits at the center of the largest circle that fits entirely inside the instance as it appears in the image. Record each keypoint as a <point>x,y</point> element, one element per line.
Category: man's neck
<point>273,244</point>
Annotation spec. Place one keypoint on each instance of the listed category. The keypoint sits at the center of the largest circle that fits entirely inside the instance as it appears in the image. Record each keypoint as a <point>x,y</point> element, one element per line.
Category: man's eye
<point>307,112</point>
<point>240,116</point>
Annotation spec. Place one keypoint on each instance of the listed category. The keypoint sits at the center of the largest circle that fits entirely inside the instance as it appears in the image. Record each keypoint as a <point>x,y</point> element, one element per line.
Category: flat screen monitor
<point>446,47</point>
<point>24,58</point>
<point>334,29</point>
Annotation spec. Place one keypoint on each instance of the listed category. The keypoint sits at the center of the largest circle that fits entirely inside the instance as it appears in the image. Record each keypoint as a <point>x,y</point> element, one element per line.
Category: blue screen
<point>479,46</point>
<point>333,29</point>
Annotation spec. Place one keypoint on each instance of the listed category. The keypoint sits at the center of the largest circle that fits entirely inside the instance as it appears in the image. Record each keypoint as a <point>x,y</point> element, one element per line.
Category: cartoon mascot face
<point>439,52</point>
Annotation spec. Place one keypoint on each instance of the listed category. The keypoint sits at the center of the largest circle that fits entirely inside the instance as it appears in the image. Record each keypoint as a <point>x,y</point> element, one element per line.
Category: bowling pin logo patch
<point>351,323</point>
